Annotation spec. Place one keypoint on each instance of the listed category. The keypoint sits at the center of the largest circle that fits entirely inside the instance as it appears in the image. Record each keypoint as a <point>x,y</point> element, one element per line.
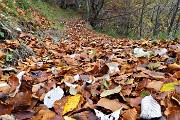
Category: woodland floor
<point>46,77</point>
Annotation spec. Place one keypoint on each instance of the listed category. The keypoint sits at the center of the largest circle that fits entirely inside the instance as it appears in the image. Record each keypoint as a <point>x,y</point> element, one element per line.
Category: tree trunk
<point>156,21</point>
<point>95,8</point>
<point>173,17</point>
<point>129,17</point>
<point>141,18</point>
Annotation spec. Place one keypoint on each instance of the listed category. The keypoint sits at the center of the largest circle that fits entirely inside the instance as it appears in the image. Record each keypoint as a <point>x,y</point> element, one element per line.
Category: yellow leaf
<point>144,42</point>
<point>71,103</point>
<point>169,86</point>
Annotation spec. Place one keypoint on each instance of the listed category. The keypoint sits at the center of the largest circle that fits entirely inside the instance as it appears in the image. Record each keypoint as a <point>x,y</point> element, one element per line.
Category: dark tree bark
<point>156,25</point>
<point>129,17</point>
<point>93,8</point>
<point>173,17</point>
<point>141,18</point>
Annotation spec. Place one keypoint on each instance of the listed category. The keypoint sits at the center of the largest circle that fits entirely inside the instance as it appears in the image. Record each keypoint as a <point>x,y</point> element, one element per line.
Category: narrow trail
<point>94,71</point>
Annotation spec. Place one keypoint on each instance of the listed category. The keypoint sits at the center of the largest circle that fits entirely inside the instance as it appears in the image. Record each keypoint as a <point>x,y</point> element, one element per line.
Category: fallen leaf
<point>169,86</point>
<point>176,97</point>
<point>86,115</point>
<point>2,55</point>
<point>5,108</point>
<point>36,87</point>
<point>76,77</point>
<point>72,91</point>
<point>150,108</point>
<point>52,96</point>
<point>112,116</point>
<point>112,105</point>
<point>175,115</point>
<point>156,85</point>
<point>176,75</point>
<point>130,114</point>
<point>153,65</point>
<point>71,103</point>
<point>59,105</point>
<point>70,85</point>
<point>135,101</point>
<point>139,52</point>
<point>19,76</point>
<point>21,101</point>
<point>110,92</point>
<point>155,75</point>
<point>4,86</point>
<point>44,115</point>
<point>113,67</point>
<point>21,115</point>
<point>161,52</point>
<point>174,66</point>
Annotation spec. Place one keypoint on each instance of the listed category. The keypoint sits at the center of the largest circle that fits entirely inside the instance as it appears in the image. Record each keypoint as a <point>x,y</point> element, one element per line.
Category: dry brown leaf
<point>156,85</point>
<point>5,108</point>
<point>112,105</point>
<point>44,115</point>
<point>135,101</point>
<point>21,115</point>
<point>86,115</point>
<point>177,75</point>
<point>175,115</point>
<point>155,75</point>
<point>174,66</point>
<point>130,114</point>
<point>21,100</point>
<point>59,105</point>
<point>2,55</point>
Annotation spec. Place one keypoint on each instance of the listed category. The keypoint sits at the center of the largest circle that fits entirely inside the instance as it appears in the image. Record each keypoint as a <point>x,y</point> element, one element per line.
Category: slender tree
<point>173,16</point>
<point>141,18</point>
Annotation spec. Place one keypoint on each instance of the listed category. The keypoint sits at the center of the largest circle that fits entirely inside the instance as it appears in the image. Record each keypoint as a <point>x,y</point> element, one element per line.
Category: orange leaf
<point>130,114</point>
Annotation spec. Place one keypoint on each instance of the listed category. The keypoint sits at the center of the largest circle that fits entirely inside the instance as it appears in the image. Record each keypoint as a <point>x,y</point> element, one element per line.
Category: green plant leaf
<point>2,34</point>
<point>144,93</point>
<point>105,84</point>
<point>8,57</point>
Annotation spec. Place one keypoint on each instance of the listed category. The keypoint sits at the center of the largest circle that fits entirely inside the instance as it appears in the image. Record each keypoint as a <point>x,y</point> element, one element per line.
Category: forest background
<point>129,18</point>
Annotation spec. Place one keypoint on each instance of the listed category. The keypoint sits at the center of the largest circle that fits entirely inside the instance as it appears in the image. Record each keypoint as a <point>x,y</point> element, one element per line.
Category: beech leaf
<point>130,114</point>
<point>113,67</point>
<point>112,116</point>
<point>169,86</point>
<point>52,96</point>
<point>110,92</point>
<point>150,108</point>
<point>112,105</point>
<point>19,76</point>
<point>153,65</point>
<point>71,103</point>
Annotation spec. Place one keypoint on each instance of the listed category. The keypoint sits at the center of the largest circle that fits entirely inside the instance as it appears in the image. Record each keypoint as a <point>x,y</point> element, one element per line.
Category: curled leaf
<point>19,76</point>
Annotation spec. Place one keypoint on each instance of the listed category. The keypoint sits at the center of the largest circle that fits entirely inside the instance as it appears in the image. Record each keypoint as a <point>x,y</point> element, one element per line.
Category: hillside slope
<point>51,70</point>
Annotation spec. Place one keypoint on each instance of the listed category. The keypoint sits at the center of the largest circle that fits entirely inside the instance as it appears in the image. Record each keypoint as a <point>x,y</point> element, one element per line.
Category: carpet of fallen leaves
<point>86,72</point>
